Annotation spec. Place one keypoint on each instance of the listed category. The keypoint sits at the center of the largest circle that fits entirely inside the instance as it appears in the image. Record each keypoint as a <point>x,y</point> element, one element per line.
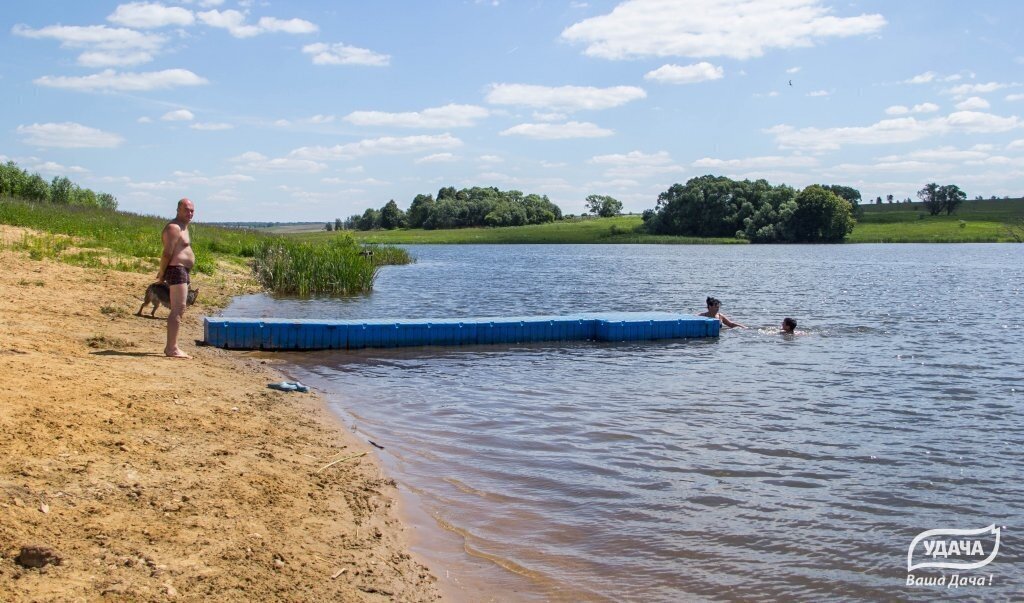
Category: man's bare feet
<point>176,353</point>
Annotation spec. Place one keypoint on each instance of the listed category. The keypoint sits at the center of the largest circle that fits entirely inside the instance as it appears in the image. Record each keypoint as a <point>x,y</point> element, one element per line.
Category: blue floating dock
<point>305,334</point>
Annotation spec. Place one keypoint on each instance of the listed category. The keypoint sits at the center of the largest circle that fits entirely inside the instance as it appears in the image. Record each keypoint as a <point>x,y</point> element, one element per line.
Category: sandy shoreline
<point>156,479</point>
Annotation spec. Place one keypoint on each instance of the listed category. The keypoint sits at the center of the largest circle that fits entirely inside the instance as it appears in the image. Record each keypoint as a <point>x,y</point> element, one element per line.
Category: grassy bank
<point>100,238</point>
<point>974,222</point>
<point>621,229</point>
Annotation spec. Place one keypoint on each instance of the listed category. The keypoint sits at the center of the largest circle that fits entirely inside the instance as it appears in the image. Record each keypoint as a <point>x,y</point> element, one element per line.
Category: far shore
<point>147,478</point>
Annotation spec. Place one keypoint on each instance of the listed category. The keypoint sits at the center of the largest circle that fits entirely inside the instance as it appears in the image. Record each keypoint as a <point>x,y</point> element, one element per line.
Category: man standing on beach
<point>175,265</point>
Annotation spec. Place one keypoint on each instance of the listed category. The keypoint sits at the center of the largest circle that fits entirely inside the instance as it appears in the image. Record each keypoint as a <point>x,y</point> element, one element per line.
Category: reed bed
<point>336,266</point>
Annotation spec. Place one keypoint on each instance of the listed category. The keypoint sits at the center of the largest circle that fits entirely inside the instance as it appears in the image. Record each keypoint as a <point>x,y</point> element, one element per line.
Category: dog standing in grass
<point>175,265</point>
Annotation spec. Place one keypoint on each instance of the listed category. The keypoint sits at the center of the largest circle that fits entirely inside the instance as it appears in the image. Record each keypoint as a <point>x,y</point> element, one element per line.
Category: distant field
<point>973,222</point>
<point>620,229</point>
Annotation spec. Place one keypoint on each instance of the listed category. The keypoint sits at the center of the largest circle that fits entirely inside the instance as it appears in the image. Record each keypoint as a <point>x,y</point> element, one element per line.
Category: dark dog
<point>159,294</point>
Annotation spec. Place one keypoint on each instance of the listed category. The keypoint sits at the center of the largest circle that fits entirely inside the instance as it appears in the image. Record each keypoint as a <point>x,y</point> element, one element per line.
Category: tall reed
<point>336,266</point>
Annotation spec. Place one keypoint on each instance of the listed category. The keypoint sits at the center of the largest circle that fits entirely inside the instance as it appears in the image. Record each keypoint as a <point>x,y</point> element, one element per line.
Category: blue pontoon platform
<point>304,334</point>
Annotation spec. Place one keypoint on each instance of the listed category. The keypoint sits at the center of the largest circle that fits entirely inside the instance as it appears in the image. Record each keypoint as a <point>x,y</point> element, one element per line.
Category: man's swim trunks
<point>176,275</point>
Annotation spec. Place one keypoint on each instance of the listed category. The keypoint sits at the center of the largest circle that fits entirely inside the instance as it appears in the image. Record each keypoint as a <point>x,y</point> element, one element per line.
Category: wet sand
<point>149,478</point>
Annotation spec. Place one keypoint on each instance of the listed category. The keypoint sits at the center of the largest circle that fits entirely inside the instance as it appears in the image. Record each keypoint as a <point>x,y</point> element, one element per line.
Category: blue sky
<point>315,110</point>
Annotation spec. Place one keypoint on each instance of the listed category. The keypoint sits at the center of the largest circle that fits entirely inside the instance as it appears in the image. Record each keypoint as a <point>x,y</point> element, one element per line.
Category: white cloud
<point>793,70</point>
<point>320,119</point>
<point>34,164</point>
<point>1014,97</point>
<point>923,78</point>
<point>887,131</point>
<point>688,74</point>
<point>973,104</point>
<point>292,26</point>
<point>196,177</point>
<point>144,15</point>
<point>563,98</point>
<point>178,115</point>
<point>144,120</point>
<point>68,135</point>
<point>258,162</point>
<point>211,126</point>
<point>490,159</point>
<point>757,163</point>
<point>549,116</point>
<point>437,158</point>
<point>341,54</point>
<point>1016,144</point>
<point>968,89</point>
<point>448,116</point>
<point>549,131</point>
<point>819,93</point>
<point>103,46</point>
<point>739,29</point>
<point>944,154</point>
<point>231,20</point>
<point>919,108</point>
<point>387,145</point>
<point>636,165</point>
<point>112,80</point>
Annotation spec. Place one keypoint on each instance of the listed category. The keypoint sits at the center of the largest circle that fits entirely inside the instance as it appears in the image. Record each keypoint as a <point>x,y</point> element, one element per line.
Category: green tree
<point>931,196</point>
<point>603,205</point>
<point>369,220</point>
<point>338,224</point>
<point>419,210</point>
<point>61,191</point>
<point>391,217</point>
<point>820,216</point>
<point>329,226</point>
<point>107,201</point>
<point>34,188</point>
<point>850,194</point>
<point>952,197</point>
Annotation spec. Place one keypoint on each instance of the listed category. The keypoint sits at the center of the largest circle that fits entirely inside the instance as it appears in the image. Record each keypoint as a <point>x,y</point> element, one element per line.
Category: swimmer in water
<point>788,326</point>
<point>713,306</point>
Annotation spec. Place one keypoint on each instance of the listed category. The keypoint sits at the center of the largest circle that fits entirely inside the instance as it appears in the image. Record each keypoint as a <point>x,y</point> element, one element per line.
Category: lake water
<point>750,466</point>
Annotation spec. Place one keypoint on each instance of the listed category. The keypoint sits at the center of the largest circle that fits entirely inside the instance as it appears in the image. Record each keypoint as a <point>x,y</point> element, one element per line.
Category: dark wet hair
<point>712,301</point>
<point>789,322</point>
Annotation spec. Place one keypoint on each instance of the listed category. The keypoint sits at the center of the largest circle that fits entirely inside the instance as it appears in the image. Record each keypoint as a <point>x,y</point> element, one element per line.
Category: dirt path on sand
<point>156,479</point>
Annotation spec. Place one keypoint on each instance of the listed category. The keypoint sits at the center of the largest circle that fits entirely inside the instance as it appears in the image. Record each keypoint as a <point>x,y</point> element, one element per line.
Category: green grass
<point>99,238</point>
<point>973,222</point>
<point>621,229</point>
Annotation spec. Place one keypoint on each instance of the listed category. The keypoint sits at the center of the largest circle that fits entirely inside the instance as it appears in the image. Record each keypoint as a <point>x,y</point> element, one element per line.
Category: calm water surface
<point>750,466</point>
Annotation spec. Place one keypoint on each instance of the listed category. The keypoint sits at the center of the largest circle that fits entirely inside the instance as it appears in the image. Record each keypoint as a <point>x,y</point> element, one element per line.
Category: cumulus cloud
<point>887,131</point>
<point>68,135</point>
<point>257,162</point>
<point>112,80</point>
<point>387,145</point>
<point>292,26</point>
<point>919,108</point>
<point>633,158</point>
<point>636,165</point>
<point>211,126</point>
<point>102,46</point>
<point>145,15</point>
<point>921,78</point>
<point>739,29</point>
<point>685,74</point>
<point>968,89</point>
<point>342,54</point>
<point>793,70</point>
<point>819,93</point>
<point>944,154</point>
<point>320,119</point>
<point>235,23</point>
<point>1014,97</point>
<point>1016,144</point>
<point>550,131</point>
<point>973,104</point>
<point>563,98</point>
<point>757,163</point>
<point>448,116</point>
<point>178,115</point>
<point>437,158</point>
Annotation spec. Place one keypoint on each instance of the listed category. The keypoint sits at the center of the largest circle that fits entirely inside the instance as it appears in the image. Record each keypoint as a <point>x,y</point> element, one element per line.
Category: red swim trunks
<point>176,275</point>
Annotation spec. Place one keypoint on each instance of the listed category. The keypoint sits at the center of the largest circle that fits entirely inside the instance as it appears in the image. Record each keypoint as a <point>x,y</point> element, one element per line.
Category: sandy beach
<point>138,477</point>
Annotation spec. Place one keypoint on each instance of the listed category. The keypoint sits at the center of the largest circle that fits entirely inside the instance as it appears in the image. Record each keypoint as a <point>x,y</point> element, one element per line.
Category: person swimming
<point>713,306</point>
<point>788,326</point>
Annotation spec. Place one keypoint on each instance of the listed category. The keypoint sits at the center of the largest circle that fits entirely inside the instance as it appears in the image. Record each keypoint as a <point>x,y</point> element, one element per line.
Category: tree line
<point>16,182</point>
<point>476,206</point>
<point>938,199</point>
<point>717,206</point>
